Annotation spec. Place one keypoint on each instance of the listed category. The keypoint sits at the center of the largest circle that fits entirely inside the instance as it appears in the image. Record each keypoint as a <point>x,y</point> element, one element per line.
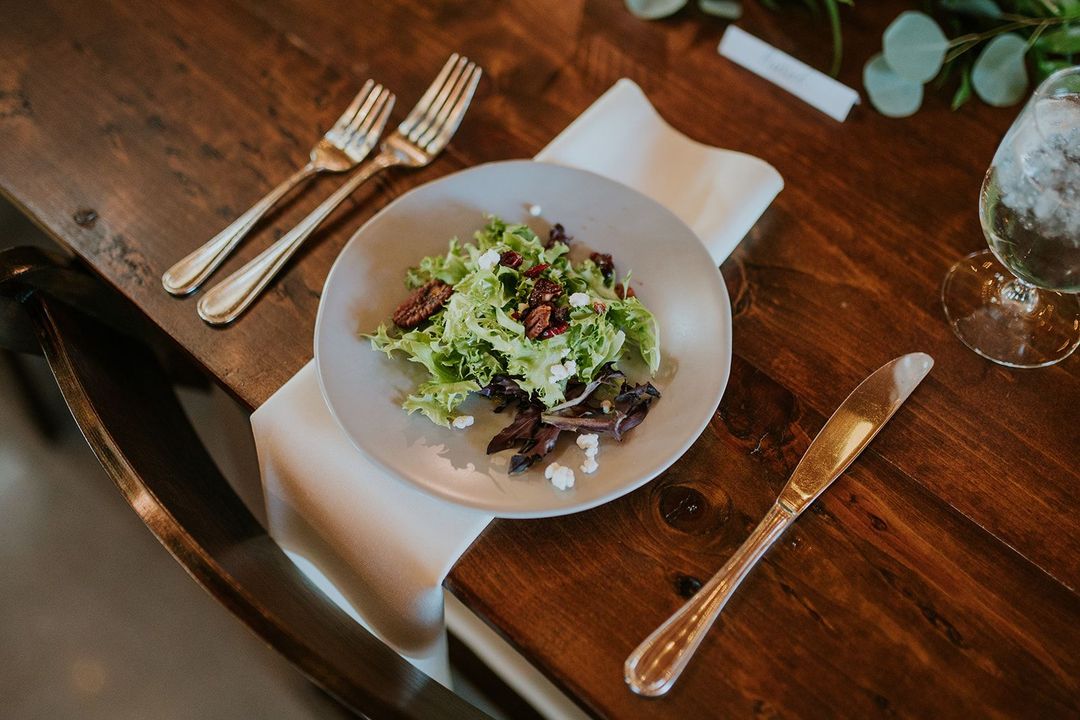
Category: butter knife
<point>656,664</point>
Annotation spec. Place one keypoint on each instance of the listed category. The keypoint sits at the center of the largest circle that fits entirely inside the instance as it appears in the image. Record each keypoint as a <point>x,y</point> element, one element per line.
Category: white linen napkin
<point>380,547</point>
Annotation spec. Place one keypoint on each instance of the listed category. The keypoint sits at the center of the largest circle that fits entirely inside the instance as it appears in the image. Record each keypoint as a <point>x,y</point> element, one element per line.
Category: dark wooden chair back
<point>100,351</point>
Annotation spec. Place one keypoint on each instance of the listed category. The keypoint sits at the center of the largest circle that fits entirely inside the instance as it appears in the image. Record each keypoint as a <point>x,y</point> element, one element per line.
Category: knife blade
<point>652,669</point>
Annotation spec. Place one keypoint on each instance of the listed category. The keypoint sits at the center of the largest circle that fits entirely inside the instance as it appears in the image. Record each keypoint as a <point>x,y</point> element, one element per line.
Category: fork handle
<point>186,275</point>
<point>229,298</point>
<point>657,662</point>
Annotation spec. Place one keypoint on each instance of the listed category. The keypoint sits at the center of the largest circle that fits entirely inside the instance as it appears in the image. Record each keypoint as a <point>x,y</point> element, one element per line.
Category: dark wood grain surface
<point>938,578</point>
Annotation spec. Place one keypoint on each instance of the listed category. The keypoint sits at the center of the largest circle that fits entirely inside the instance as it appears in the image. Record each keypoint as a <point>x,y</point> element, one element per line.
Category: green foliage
<point>892,94</point>
<point>727,9</point>
<point>914,46</point>
<point>1010,39</point>
<point>654,9</point>
<point>999,75</point>
<point>732,10</point>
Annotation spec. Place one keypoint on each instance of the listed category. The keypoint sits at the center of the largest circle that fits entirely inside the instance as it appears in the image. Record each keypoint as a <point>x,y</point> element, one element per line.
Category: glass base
<point>1005,319</point>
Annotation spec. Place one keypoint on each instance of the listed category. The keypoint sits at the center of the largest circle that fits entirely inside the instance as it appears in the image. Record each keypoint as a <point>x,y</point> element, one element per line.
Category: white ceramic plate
<point>672,274</point>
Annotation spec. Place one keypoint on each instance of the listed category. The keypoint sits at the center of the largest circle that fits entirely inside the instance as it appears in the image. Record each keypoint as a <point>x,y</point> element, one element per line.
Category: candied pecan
<point>624,293</point>
<point>510,259</point>
<point>537,321</point>
<point>557,234</point>
<point>536,270</point>
<point>605,263</point>
<point>422,304</point>
<point>544,291</point>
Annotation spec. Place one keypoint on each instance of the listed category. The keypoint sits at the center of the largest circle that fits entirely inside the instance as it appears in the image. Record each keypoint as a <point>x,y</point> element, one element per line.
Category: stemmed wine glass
<point>1016,304</point>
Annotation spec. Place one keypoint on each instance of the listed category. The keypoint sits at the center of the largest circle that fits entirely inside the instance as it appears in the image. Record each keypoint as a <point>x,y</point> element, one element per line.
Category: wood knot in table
<point>85,217</point>
<point>690,511</point>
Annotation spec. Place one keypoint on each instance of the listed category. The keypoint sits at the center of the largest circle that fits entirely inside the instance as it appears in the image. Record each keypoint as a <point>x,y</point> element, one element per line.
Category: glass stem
<point>1022,295</point>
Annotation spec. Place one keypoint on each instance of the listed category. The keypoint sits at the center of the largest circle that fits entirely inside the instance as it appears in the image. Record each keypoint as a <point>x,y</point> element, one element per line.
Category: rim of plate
<point>720,384</point>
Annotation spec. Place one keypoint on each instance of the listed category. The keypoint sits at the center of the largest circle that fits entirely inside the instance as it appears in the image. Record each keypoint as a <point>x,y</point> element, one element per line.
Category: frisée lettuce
<point>480,331</point>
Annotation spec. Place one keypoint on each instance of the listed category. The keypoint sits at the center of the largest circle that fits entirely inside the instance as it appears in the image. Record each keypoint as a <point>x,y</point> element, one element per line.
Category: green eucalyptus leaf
<point>999,75</point>
<point>1063,41</point>
<point>891,94</point>
<point>654,9</point>
<point>914,46</point>
<point>727,9</point>
<point>963,93</point>
<point>976,8</point>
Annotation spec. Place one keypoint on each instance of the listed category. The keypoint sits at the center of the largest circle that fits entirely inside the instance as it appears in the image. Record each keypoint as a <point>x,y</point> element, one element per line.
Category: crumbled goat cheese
<point>561,477</point>
<point>589,440</point>
<point>462,421</point>
<point>590,443</point>
<point>606,406</point>
<point>579,300</point>
<point>561,371</point>
<point>488,260</point>
<point>535,210</point>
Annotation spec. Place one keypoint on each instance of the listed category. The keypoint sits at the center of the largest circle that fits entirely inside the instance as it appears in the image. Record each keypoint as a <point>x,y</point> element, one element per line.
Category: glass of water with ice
<point>1017,303</point>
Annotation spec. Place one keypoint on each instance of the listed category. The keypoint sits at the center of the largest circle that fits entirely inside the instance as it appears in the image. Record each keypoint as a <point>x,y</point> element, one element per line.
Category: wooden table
<point>937,578</point>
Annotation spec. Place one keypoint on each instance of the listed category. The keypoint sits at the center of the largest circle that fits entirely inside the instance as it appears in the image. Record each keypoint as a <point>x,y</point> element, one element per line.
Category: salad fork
<point>342,148</point>
<point>417,141</point>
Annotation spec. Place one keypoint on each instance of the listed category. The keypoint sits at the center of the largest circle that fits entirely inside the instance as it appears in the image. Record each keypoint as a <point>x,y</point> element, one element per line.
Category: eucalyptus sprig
<point>732,10</point>
<point>1011,35</point>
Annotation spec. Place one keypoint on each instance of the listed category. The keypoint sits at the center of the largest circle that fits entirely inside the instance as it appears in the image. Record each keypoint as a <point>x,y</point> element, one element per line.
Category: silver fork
<point>342,148</point>
<point>415,143</point>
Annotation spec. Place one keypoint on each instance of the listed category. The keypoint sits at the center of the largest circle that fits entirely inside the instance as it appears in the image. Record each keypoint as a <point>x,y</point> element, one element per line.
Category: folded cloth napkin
<point>382,548</point>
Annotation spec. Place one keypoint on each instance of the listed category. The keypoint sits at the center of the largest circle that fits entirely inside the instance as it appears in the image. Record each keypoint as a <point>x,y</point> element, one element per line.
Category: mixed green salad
<point>510,317</point>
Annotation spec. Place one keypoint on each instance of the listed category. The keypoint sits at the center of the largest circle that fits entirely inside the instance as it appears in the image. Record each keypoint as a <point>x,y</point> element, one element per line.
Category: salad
<point>511,318</point>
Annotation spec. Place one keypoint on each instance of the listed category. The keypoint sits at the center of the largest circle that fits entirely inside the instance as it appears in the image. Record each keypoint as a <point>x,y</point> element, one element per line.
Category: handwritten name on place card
<point>804,82</point>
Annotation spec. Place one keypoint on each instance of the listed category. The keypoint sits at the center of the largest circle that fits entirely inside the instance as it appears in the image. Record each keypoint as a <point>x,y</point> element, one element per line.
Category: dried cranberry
<point>605,263</point>
<point>624,293</point>
<point>557,234</point>
<point>553,330</point>
<point>536,270</point>
<point>561,315</point>
<point>599,307</point>
<point>510,259</point>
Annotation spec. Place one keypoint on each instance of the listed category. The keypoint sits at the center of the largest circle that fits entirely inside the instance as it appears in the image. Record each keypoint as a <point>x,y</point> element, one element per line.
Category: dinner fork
<point>342,148</point>
<point>417,141</point>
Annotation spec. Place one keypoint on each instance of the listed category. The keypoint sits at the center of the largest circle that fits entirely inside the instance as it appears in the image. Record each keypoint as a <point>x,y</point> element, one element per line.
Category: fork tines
<point>439,112</point>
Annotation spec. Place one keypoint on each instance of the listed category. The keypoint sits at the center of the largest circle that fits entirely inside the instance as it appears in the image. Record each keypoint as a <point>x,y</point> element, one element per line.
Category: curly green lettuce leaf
<point>478,334</point>
<point>438,401</point>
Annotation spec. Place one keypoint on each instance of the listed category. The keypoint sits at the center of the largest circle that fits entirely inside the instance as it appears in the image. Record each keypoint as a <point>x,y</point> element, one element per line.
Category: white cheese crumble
<point>561,371</point>
<point>535,210</point>
<point>606,406</point>
<point>561,477</point>
<point>579,299</point>
<point>462,421</point>
<point>488,260</point>
<point>589,440</point>
<point>590,443</point>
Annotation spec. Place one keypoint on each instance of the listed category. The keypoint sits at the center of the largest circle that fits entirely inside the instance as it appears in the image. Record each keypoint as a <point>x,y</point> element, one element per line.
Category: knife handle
<point>656,664</point>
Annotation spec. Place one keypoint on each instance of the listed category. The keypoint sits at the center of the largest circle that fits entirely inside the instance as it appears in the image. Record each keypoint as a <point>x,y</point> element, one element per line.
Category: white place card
<point>804,82</point>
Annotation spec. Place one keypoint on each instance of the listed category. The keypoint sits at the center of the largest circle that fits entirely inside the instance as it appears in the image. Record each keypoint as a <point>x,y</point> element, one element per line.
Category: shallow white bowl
<point>672,274</point>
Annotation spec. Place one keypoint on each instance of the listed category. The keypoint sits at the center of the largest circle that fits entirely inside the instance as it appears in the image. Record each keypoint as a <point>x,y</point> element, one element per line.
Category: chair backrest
<point>98,348</point>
